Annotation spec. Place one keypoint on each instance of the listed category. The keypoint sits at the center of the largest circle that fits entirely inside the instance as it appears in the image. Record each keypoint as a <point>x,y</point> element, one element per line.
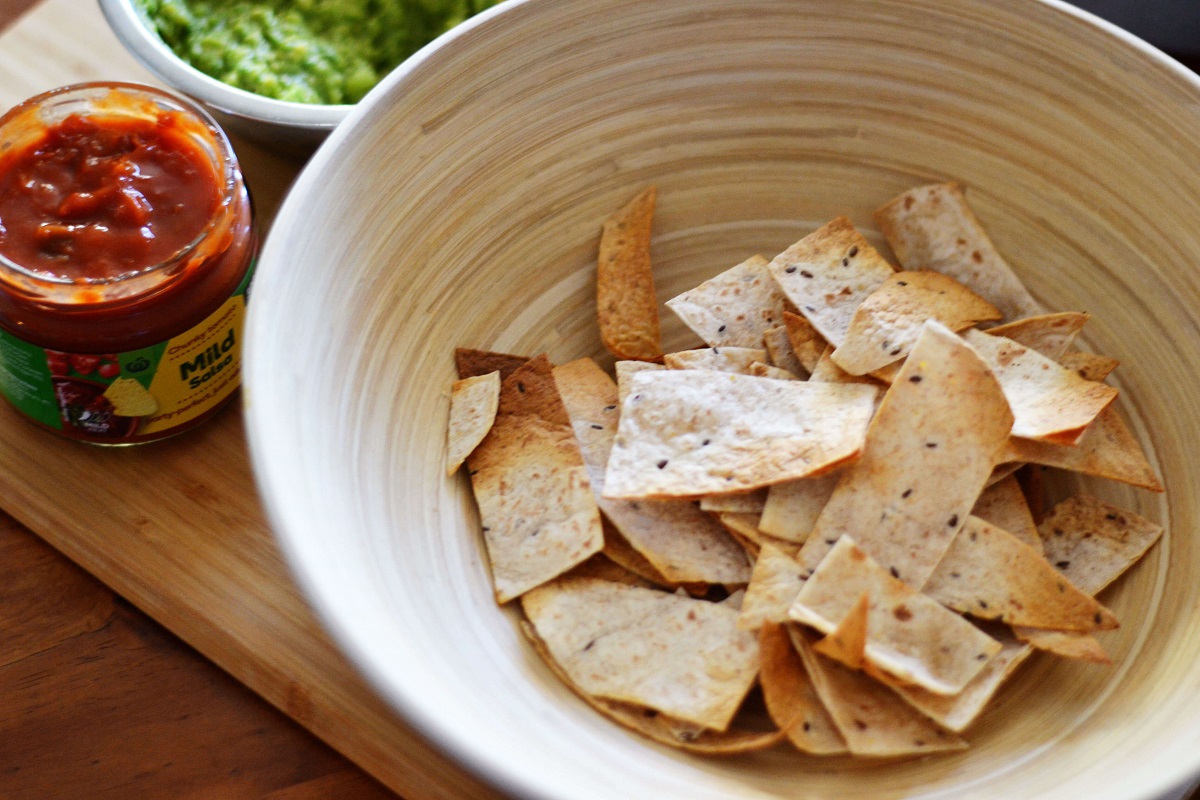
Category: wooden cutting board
<point>176,527</point>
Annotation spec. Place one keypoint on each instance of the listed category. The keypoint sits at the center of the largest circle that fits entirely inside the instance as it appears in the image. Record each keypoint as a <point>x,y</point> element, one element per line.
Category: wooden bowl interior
<point>461,206</point>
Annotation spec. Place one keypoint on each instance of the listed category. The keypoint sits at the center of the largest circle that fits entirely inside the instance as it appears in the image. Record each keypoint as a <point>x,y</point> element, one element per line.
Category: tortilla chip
<point>1003,504</point>
<point>735,502</point>
<point>871,718</point>
<point>1092,542</point>
<point>958,711</point>
<point>473,405</point>
<point>790,698</point>
<point>773,587</point>
<point>990,574</point>
<point>807,342</point>
<point>721,359</point>
<point>1066,644</point>
<point>661,728</point>
<point>826,370</point>
<point>886,326</point>
<point>932,227</point>
<point>927,456</point>
<point>761,370</point>
<point>624,370</point>
<point>538,512</point>
<point>1049,334</point>
<point>692,432</point>
<point>792,507</point>
<point>471,363</point>
<point>735,308</point>
<point>1089,366</point>
<point>828,274</point>
<point>910,638</point>
<point>603,568</point>
<point>680,543</point>
<point>680,656</point>
<point>847,643</point>
<point>627,308</point>
<point>745,527</point>
<point>1049,401</point>
<point>618,550</point>
<point>130,399</point>
<point>779,349</point>
<point>1107,449</point>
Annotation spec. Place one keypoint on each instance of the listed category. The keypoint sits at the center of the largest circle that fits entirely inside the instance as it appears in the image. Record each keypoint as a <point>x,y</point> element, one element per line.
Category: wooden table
<point>97,700</point>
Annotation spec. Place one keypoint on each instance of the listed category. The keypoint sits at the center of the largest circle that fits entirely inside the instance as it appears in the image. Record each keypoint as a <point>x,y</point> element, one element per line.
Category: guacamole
<point>306,51</point>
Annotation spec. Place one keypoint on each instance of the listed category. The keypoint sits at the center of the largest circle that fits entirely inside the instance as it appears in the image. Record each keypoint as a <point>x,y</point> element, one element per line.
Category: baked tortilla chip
<point>1066,644</point>
<point>737,360</point>
<point>745,528</point>
<point>627,308</point>
<point>791,701</point>
<point>681,543</point>
<point>826,370</point>
<point>958,711</point>
<point>911,638</point>
<point>990,574</point>
<point>735,308</point>
<point>683,657</point>
<point>927,456</point>
<point>932,227</point>
<point>887,323</point>
<point>782,355</point>
<point>735,502</point>
<point>1003,504</point>
<point>761,370</point>
<point>692,432</point>
<point>535,502</point>
<point>807,342</point>
<point>847,643</point>
<point>792,507</point>
<point>828,274</point>
<point>471,363</point>
<point>872,719</point>
<point>773,587</point>
<point>1049,402</point>
<point>473,405</point>
<point>618,550</point>
<point>1107,449</point>
<point>1089,366</point>
<point>624,370</point>
<point>1049,334</point>
<point>687,736</point>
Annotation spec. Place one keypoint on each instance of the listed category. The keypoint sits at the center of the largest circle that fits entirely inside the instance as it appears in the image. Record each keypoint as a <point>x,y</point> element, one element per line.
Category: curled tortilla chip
<point>692,432</point>
<point>847,642</point>
<point>473,405</point>
<point>1107,449</point>
<point>627,308</point>
<point>911,638</point>
<point>932,227</point>
<point>807,342</point>
<point>680,543</point>
<point>927,456</point>
<point>872,719</point>
<point>1049,334</point>
<point>721,359</point>
<point>1049,402</point>
<point>773,587</point>
<point>1089,366</point>
<point>735,308</point>
<point>661,728</point>
<point>535,502</point>
<point>791,699</point>
<point>682,657</point>
<point>887,323</point>
<point>990,574</point>
<point>828,274</point>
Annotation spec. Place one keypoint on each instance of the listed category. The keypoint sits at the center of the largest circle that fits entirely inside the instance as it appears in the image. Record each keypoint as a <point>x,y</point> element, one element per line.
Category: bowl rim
<point>129,25</point>
<point>307,572</point>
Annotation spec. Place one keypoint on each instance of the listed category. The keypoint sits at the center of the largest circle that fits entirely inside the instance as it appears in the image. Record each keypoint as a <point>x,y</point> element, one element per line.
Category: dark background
<point>1171,25</point>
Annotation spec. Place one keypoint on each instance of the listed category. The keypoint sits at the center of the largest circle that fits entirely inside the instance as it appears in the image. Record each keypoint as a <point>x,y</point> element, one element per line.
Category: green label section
<point>25,380</point>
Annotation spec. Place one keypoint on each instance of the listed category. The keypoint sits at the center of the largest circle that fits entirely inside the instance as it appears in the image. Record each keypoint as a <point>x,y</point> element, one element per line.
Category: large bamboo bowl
<point>461,205</point>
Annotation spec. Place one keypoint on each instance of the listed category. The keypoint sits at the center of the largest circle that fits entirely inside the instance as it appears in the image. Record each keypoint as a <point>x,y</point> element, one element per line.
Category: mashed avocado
<point>307,51</point>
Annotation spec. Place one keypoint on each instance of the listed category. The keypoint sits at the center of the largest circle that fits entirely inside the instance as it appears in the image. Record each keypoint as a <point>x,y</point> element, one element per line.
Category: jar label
<point>118,398</point>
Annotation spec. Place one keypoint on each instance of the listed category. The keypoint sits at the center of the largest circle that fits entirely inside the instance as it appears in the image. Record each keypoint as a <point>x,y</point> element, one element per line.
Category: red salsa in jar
<point>126,246</point>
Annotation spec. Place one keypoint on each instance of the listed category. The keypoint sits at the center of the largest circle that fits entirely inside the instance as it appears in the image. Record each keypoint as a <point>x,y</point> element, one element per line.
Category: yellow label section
<point>199,369</point>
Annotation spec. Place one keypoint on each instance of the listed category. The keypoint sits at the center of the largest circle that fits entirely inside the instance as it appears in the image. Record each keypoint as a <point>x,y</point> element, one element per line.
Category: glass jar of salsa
<point>126,248</point>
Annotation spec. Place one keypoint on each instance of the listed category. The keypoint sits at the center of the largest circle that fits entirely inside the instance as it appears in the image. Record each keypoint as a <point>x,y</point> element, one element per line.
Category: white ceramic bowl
<point>460,205</point>
<point>297,127</point>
